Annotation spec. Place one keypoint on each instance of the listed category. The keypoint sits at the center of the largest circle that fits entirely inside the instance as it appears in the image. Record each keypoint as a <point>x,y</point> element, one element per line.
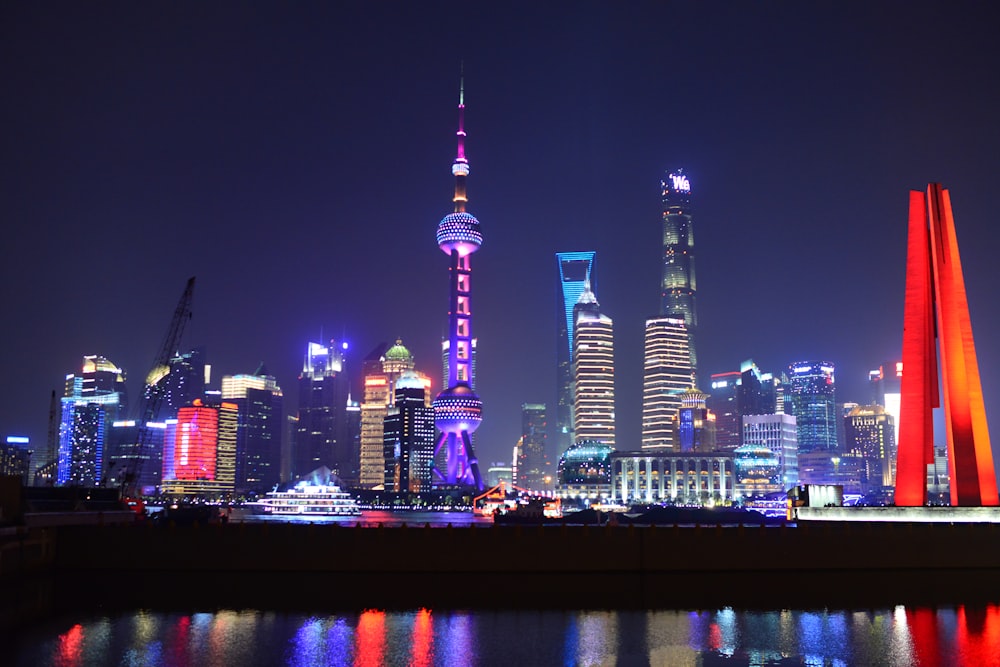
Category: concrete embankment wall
<point>268,565</point>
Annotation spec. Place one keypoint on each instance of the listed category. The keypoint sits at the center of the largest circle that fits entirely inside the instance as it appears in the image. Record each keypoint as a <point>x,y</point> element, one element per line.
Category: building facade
<point>678,478</point>
<point>667,374</point>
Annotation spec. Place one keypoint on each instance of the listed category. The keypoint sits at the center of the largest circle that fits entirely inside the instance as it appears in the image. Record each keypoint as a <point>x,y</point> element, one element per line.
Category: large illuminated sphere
<point>459,231</point>
<point>457,409</point>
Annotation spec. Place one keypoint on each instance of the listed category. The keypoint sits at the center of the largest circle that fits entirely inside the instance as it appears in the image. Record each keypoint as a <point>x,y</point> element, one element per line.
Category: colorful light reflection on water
<point>424,638</point>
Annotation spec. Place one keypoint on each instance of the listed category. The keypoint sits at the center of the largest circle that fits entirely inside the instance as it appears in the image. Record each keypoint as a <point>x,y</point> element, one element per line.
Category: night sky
<point>295,158</point>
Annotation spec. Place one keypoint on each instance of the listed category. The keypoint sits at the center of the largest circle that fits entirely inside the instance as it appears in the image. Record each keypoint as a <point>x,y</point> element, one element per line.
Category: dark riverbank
<point>327,567</point>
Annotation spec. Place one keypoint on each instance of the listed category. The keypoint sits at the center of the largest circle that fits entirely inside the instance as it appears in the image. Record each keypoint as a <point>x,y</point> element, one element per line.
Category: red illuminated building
<point>937,315</point>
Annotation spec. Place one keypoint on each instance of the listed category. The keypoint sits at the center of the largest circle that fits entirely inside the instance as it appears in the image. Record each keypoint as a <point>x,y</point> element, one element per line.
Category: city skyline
<point>300,181</point>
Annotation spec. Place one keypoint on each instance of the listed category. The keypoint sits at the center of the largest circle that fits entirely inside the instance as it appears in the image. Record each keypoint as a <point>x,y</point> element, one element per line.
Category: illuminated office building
<point>320,437</point>
<point>125,455</point>
<point>870,433</point>
<point>885,383</point>
<point>93,400</point>
<point>694,428</point>
<point>723,404</point>
<point>667,374</point>
<point>810,398</point>
<point>532,462</point>
<point>593,372</point>
<point>199,451</point>
<point>678,286</point>
<point>180,383</point>
<point>258,400</point>
<point>576,269</point>
<point>15,458</point>
<point>408,436</point>
<point>779,434</point>
<point>382,369</point>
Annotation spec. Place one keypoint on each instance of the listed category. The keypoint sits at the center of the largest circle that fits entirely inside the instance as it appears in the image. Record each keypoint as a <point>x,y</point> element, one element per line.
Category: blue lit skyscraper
<point>576,270</point>
<point>810,398</point>
<point>92,401</point>
<point>678,285</point>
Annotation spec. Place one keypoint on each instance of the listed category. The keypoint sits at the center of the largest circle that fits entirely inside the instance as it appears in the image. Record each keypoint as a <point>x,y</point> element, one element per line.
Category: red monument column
<point>936,316</point>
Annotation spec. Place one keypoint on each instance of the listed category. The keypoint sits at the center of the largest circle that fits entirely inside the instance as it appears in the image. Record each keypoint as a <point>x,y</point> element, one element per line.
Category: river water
<point>901,636</point>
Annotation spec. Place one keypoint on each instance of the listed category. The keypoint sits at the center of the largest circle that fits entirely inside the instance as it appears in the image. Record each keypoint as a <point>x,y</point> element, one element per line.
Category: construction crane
<point>152,397</point>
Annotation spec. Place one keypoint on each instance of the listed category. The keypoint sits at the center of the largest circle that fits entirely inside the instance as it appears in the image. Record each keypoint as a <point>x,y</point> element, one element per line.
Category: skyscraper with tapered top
<point>678,286</point>
<point>593,372</point>
<point>457,409</point>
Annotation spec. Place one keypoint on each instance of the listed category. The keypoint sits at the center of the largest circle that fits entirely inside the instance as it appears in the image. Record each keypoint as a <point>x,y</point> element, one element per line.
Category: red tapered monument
<point>937,315</point>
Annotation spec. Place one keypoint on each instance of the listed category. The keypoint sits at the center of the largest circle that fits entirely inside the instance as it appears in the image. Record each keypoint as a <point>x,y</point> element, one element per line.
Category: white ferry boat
<point>307,499</point>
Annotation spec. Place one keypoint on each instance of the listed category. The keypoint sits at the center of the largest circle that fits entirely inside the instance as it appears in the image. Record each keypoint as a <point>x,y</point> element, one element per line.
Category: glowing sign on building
<point>195,443</point>
<point>681,182</point>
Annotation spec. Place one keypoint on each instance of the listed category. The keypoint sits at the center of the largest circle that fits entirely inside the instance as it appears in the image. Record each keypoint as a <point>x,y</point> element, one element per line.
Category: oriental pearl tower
<point>457,409</point>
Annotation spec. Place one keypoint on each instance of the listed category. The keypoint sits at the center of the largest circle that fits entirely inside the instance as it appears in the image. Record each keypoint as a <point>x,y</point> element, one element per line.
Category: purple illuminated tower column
<point>457,409</point>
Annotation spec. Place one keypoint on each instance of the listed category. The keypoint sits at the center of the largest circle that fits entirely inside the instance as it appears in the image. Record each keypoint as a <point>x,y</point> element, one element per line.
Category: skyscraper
<point>531,460</point>
<point>666,375</point>
<point>258,437</point>
<point>694,429</point>
<point>811,394</point>
<point>870,433</point>
<point>93,400</point>
<point>458,411</point>
<point>678,286</point>
<point>722,403</point>
<point>593,372</point>
<point>320,436</point>
<point>199,452</point>
<point>179,383</point>
<point>779,434</point>
<point>576,269</point>
<point>408,436</point>
<point>382,368</point>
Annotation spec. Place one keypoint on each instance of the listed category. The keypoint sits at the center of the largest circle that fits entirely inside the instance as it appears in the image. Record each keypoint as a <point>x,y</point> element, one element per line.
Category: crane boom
<point>152,397</point>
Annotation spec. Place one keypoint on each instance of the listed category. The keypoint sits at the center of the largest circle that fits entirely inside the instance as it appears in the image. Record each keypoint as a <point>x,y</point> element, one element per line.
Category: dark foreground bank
<point>298,567</point>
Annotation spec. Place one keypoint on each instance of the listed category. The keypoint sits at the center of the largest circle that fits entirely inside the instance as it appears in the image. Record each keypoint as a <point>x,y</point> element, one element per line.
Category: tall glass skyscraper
<point>575,270</point>
<point>810,395</point>
<point>678,286</point>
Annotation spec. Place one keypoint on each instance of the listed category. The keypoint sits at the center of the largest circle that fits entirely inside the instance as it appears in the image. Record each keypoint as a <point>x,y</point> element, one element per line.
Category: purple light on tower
<point>457,409</point>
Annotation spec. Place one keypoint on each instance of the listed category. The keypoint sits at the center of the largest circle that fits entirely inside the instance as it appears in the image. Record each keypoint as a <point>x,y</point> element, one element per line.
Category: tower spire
<point>460,167</point>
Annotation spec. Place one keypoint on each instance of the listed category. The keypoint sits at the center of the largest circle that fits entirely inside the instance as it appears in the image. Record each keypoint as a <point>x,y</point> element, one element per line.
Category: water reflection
<point>425,638</point>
